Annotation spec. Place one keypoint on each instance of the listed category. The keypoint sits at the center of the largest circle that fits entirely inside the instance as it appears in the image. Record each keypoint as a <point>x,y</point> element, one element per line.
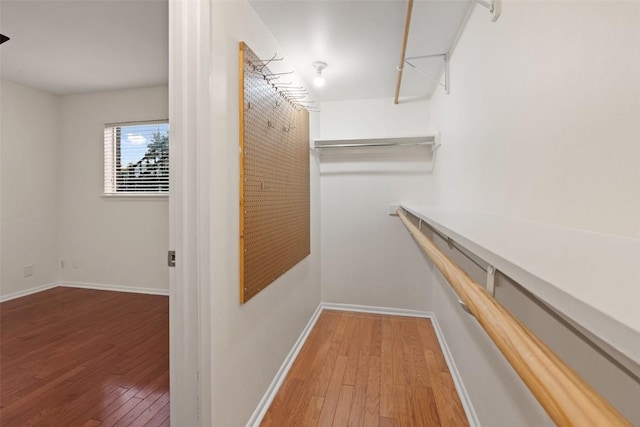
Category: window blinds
<point>136,158</point>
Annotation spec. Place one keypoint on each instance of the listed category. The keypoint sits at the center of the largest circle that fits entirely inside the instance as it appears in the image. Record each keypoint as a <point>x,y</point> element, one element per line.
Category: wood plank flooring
<point>368,370</point>
<point>80,357</point>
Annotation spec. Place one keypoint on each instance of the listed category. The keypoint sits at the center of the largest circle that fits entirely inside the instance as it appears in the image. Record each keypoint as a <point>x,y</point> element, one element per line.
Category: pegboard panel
<point>274,179</point>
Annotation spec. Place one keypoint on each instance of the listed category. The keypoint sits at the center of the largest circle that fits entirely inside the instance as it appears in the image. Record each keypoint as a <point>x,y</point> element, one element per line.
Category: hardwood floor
<point>79,357</point>
<point>368,370</point>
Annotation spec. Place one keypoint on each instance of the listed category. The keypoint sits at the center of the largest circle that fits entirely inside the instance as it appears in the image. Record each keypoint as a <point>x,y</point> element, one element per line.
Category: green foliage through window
<point>137,158</point>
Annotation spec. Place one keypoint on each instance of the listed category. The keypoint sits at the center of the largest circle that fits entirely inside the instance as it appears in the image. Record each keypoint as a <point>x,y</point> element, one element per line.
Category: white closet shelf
<point>591,278</point>
<point>428,140</point>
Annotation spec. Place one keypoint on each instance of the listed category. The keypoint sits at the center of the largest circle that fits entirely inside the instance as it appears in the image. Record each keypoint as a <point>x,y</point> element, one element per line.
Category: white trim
<point>270,394</point>
<point>116,288</point>
<point>465,399</point>
<point>29,291</point>
<point>376,310</point>
<point>139,122</point>
<point>164,196</point>
<point>190,281</point>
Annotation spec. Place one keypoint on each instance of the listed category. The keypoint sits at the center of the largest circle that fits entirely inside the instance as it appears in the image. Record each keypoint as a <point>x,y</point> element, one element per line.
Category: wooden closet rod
<point>566,397</point>
<point>403,50</point>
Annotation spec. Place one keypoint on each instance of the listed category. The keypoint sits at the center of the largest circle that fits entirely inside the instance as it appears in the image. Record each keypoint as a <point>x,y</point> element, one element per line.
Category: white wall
<point>250,341</point>
<point>542,121</point>
<point>367,258</point>
<point>29,186</point>
<point>541,124</point>
<point>113,241</point>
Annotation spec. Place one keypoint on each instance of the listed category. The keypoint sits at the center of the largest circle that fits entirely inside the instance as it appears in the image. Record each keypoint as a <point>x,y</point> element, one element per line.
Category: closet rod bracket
<point>494,6</point>
<point>491,280</point>
<point>445,58</point>
<point>464,306</point>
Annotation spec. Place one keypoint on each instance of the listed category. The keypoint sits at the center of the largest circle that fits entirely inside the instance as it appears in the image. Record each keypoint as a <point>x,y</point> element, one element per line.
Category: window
<point>136,158</point>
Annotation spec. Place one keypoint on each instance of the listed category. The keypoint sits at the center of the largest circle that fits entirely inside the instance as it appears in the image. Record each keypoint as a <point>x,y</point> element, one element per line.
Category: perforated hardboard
<point>274,179</point>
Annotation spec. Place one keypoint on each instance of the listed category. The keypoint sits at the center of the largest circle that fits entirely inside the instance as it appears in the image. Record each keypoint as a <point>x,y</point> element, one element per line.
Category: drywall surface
<point>541,124</point>
<point>112,241</point>
<point>542,119</point>
<point>367,258</point>
<point>248,342</point>
<point>29,188</point>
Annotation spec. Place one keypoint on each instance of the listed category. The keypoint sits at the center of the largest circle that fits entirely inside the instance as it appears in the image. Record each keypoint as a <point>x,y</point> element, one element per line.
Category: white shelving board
<point>591,278</point>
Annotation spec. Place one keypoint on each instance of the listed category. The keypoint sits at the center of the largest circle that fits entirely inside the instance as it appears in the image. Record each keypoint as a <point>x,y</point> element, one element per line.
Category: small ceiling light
<point>319,66</point>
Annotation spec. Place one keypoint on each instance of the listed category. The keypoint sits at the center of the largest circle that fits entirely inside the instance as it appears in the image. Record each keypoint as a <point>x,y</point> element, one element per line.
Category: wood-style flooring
<point>80,357</point>
<point>368,370</point>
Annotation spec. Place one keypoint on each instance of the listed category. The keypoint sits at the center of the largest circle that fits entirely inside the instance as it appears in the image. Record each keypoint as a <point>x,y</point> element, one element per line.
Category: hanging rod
<point>389,144</point>
<point>427,140</point>
<point>567,398</point>
<point>403,50</point>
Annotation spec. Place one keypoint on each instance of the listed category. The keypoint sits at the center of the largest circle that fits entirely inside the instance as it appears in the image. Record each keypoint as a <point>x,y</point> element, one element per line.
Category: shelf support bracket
<point>491,280</point>
<point>494,6</point>
<point>445,57</point>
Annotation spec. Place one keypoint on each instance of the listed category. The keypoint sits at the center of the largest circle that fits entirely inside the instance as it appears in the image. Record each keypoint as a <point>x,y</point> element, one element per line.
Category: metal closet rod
<point>428,140</point>
<point>374,144</point>
<point>452,244</point>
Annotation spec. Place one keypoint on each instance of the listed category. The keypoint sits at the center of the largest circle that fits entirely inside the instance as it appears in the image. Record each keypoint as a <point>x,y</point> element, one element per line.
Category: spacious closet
<point>380,212</point>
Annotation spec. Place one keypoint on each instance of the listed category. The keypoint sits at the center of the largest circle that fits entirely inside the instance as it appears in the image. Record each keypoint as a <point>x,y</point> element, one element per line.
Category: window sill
<point>137,196</point>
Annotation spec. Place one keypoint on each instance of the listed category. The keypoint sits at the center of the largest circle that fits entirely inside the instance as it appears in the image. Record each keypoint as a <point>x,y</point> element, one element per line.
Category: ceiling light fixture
<point>319,66</point>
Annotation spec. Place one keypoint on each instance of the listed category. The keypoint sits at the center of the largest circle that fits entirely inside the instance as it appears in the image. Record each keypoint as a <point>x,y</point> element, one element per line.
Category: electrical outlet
<point>61,263</point>
<point>28,270</point>
<point>393,209</point>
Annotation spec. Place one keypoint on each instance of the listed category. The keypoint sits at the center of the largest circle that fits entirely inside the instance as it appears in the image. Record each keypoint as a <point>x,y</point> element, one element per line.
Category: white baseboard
<point>97,286</point>
<point>116,288</point>
<point>472,417</point>
<point>267,399</point>
<point>376,310</point>
<point>26,292</point>
<point>270,394</point>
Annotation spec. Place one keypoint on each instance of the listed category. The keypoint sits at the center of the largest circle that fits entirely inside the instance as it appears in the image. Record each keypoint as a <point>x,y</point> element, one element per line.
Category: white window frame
<point>108,162</point>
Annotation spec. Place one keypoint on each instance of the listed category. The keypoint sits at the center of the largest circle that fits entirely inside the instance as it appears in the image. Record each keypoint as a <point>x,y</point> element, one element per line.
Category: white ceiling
<point>75,46</point>
<point>65,47</point>
<point>360,41</point>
